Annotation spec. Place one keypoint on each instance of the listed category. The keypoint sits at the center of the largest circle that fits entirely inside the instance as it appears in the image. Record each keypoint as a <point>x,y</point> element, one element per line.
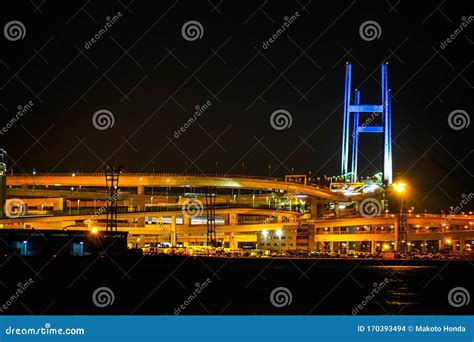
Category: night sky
<point>151,79</point>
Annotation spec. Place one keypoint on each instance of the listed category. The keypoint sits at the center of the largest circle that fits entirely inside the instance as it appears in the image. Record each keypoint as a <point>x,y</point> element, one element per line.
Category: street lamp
<point>34,183</point>
<point>401,188</point>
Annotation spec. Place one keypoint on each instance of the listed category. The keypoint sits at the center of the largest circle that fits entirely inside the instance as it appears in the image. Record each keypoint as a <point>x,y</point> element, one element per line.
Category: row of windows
<point>277,244</point>
<point>277,238</point>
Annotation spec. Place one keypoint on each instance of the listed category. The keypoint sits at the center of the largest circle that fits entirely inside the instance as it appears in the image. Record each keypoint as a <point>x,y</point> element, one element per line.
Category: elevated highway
<point>142,180</point>
<point>421,220</point>
<point>130,215</point>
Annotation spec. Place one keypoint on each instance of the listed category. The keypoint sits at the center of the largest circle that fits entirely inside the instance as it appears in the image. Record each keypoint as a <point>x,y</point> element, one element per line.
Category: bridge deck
<point>173,180</point>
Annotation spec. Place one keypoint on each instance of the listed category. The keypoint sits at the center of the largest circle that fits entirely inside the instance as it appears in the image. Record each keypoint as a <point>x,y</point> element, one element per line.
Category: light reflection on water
<point>402,292</point>
<point>400,267</point>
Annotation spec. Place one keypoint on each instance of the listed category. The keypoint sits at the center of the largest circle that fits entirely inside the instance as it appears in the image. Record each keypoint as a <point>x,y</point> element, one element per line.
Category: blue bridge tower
<point>352,105</point>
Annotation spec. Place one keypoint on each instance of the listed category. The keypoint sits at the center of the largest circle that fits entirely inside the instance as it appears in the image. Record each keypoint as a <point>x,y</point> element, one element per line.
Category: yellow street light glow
<point>448,241</point>
<point>94,230</point>
<point>400,187</point>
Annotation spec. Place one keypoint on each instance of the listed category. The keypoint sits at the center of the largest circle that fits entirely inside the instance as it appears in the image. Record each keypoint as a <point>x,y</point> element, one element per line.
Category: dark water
<point>160,285</point>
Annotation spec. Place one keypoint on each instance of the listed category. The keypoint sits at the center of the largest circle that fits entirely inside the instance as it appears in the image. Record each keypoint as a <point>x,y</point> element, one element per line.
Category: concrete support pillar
<point>141,190</point>
<point>173,231</point>
<point>440,245</point>
<point>3,193</point>
<point>395,238</point>
<point>186,220</point>
<point>336,209</point>
<point>332,246</point>
<point>462,245</point>
<point>232,241</point>
<point>314,209</point>
<point>232,219</point>
<point>373,244</point>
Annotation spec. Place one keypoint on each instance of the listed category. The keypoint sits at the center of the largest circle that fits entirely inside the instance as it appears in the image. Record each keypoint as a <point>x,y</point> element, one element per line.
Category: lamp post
<point>402,234</point>
<point>34,182</point>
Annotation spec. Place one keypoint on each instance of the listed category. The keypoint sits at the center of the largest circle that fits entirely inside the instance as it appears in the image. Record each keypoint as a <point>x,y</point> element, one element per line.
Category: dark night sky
<point>151,78</point>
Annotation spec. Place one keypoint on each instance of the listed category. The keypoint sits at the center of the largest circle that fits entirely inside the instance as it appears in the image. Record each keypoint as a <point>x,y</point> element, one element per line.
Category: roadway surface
<point>173,180</point>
